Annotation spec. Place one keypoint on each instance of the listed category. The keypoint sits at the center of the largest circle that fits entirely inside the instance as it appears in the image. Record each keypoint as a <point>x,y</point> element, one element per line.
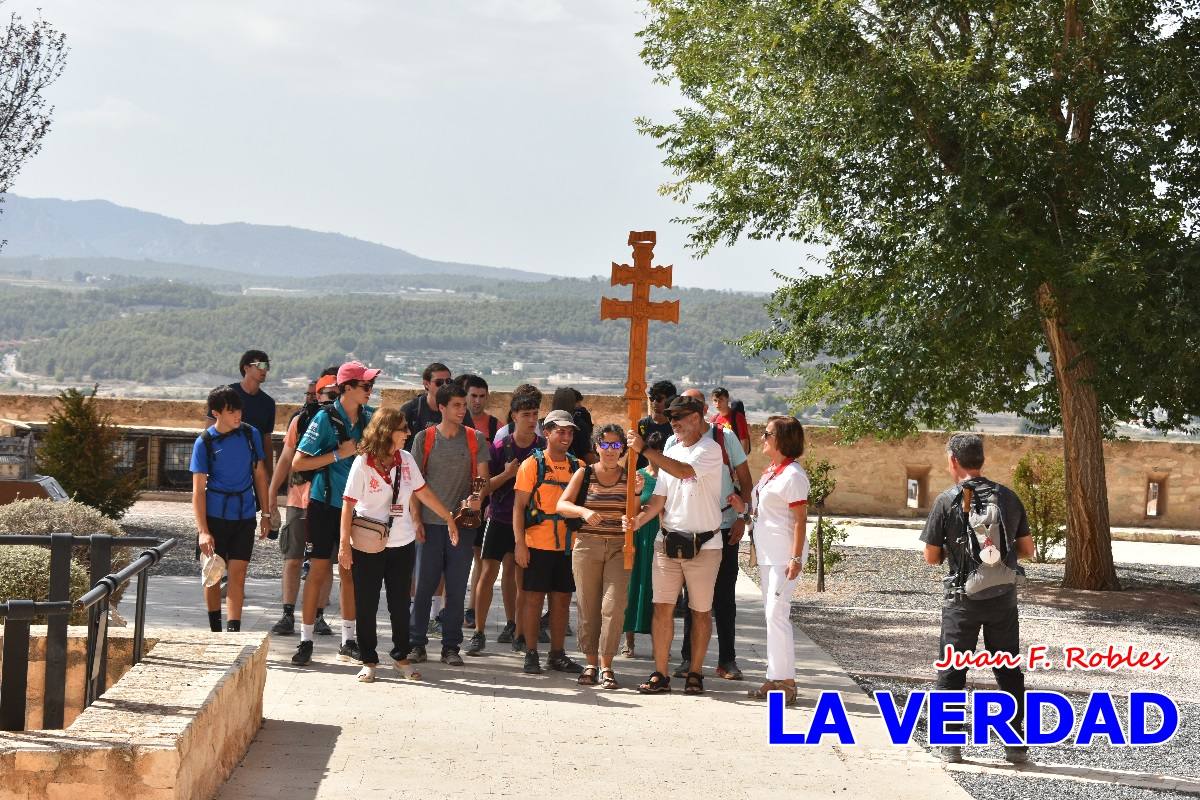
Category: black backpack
<point>207,437</point>
<point>299,477</point>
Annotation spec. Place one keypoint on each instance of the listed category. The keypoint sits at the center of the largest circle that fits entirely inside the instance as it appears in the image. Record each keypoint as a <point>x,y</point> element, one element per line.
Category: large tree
<point>1008,195</point>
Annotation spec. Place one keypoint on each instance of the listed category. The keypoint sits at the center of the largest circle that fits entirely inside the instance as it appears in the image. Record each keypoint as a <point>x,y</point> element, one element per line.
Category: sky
<point>496,132</point>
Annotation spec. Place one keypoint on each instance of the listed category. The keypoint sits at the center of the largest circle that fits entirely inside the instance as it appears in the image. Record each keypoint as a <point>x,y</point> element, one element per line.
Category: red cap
<point>355,371</point>
<point>325,381</point>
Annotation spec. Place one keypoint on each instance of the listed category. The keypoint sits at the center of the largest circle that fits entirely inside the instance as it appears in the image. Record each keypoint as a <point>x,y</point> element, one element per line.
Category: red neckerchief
<point>774,473</point>
<point>384,474</point>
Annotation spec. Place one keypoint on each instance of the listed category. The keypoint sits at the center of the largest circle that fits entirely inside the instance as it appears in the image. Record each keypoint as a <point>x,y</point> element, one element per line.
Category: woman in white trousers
<point>779,507</point>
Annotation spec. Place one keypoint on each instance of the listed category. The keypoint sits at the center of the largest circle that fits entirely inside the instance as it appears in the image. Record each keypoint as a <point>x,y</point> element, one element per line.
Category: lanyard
<point>762,484</point>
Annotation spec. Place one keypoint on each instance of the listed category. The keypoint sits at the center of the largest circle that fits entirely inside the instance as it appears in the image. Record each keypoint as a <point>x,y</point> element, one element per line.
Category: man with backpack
<point>327,449</point>
<point>477,395</point>
<point>731,415</point>
<point>735,477</point>
<point>452,456</point>
<point>229,486</point>
<point>660,394</point>
<point>422,411</point>
<point>498,541</point>
<point>293,535</point>
<point>543,541</point>
<point>979,528</point>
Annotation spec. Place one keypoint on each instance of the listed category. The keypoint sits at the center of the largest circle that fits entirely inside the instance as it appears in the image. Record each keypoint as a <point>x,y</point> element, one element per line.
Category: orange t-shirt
<point>541,536</point>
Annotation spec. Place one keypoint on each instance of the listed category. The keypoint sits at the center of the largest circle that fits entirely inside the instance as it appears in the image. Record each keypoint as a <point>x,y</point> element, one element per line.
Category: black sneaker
<point>451,658</point>
<point>1016,755</point>
<point>285,627</point>
<point>418,655</point>
<point>469,618</point>
<point>506,635</point>
<point>561,662</point>
<point>477,643</point>
<point>321,627</point>
<point>533,664</point>
<point>303,654</point>
<point>349,653</point>
<point>518,644</point>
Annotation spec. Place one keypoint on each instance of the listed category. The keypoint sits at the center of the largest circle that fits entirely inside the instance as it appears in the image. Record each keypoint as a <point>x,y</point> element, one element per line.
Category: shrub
<point>1040,481</point>
<point>46,516</point>
<point>79,449</point>
<point>25,575</point>
<point>821,484</point>
<point>832,534</point>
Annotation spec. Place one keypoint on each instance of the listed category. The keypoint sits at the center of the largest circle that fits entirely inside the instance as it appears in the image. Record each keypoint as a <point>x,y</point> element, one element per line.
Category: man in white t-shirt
<point>688,549</point>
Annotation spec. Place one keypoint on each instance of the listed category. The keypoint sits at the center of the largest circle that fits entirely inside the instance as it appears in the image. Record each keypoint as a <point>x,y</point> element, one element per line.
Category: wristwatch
<point>746,516</point>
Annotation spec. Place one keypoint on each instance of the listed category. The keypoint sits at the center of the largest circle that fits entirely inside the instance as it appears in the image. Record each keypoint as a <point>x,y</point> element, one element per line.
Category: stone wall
<point>173,728</point>
<point>871,476</point>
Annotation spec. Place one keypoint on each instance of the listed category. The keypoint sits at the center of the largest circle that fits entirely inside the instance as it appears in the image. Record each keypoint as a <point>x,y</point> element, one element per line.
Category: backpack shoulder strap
<point>430,436</point>
<point>472,448</point>
<point>247,431</point>
<point>207,437</point>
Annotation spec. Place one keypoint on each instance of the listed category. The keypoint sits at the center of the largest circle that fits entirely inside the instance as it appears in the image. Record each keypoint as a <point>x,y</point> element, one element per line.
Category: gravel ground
<point>174,519</point>
<point>879,619</point>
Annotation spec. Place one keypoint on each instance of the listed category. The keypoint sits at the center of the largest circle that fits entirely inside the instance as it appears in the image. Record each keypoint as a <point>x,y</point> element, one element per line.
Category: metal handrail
<point>44,539</point>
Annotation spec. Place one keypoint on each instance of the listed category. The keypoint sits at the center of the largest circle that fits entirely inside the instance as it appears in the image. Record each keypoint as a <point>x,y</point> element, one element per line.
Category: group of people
<point>438,498</point>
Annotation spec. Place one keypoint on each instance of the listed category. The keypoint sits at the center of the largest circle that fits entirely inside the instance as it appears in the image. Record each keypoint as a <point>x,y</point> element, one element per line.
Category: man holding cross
<point>688,549</point>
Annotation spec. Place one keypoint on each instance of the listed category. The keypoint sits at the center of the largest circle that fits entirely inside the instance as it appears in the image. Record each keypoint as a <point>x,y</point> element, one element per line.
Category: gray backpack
<point>983,527</point>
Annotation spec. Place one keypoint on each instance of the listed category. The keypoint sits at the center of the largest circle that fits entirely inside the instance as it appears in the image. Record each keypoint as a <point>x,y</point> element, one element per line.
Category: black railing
<point>18,615</point>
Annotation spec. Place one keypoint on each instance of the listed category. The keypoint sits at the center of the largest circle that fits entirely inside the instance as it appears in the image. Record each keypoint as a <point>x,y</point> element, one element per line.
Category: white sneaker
<point>367,674</point>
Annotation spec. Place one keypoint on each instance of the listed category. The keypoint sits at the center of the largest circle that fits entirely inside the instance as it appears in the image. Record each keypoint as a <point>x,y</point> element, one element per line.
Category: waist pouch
<point>367,535</point>
<point>685,545</point>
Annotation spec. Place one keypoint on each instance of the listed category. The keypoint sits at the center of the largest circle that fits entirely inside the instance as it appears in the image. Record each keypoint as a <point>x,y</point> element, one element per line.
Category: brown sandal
<point>608,679</point>
<point>657,683</point>
<point>588,676</point>
<point>762,692</point>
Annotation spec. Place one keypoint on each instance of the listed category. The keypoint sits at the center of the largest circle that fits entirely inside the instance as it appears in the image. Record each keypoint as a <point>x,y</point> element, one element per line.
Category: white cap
<point>212,569</point>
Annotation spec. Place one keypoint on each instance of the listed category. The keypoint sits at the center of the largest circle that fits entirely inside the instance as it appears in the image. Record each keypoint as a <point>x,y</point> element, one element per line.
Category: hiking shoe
<point>685,667</point>
<point>477,643</point>
<point>469,618</point>
<point>951,754</point>
<point>1016,755</point>
<point>506,635</point>
<point>303,654</point>
<point>349,652</point>
<point>518,645</point>
<point>285,627</point>
<point>451,658</point>
<point>561,662</point>
<point>435,624</point>
<point>533,664</point>
<point>544,636</point>
<point>418,654</point>
<point>321,627</point>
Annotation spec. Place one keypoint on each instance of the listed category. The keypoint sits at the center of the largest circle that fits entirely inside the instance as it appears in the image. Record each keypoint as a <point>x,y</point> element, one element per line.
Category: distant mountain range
<point>50,228</point>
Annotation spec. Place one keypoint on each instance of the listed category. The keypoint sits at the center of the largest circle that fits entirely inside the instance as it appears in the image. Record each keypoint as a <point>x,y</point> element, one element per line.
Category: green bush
<point>832,534</point>
<point>821,484</point>
<point>1040,481</point>
<point>43,517</point>
<point>79,450</point>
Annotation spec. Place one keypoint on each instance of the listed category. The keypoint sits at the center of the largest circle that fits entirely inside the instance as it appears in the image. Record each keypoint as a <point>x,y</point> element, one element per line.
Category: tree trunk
<point>1089,562</point>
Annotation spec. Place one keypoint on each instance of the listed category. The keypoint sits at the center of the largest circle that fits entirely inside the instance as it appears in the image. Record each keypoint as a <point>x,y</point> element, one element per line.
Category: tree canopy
<point>1009,195</point>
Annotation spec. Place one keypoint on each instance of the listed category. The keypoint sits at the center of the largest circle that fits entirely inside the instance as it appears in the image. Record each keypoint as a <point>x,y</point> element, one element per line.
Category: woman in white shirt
<point>384,468</point>
<point>780,511</point>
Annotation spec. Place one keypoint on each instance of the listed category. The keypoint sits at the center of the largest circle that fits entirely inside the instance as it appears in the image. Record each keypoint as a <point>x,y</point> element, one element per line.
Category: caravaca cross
<point>639,311</point>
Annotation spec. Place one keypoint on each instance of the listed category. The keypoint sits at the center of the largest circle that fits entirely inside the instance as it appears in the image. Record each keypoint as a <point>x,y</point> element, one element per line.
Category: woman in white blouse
<point>384,468</point>
<point>780,511</point>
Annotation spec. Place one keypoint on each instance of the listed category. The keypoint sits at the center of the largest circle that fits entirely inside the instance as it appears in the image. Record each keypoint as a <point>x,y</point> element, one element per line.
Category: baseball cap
<point>355,371</point>
<point>683,404</point>
<point>559,419</point>
<point>325,381</point>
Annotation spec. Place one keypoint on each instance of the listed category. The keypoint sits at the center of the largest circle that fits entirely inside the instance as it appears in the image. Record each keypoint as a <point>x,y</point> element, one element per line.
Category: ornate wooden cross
<point>639,311</point>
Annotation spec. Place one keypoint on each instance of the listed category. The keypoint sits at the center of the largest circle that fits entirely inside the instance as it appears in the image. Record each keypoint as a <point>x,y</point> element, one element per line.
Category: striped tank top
<point>609,502</point>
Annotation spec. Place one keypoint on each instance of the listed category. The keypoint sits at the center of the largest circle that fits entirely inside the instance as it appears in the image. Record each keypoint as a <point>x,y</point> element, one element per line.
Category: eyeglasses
<point>610,445</point>
<point>263,365</point>
<point>768,434</point>
<point>440,381</point>
<point>681,417</point>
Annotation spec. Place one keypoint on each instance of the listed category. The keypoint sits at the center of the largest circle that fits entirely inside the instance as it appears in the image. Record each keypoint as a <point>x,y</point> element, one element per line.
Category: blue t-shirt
<point>230,489</point>
<point>737,457</point>
<point>329,483</point>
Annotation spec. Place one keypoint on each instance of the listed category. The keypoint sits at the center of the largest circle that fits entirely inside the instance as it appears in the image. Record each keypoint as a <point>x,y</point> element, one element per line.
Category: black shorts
<point>548,571</point>
<point>233,539</point>
<point>498,541</point>
<point>324,529</point>
<point>479,536</point>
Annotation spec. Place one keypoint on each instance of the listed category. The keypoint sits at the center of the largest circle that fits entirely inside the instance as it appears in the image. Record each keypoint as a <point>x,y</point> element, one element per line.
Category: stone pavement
<point>488,729</point>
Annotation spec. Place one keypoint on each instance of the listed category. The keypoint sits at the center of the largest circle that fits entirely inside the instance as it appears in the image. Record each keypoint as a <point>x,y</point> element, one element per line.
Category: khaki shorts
<point>293,534</point>
<point>699,574</point>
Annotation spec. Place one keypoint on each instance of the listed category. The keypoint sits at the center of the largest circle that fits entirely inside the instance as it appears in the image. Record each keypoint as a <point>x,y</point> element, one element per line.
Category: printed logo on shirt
<point>374,484</point>
<point>405,474</point>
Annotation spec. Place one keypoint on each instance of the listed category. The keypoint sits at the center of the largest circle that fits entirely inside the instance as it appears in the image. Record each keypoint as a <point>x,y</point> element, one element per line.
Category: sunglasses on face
<point>610,445</point>
<point>768,434</point>
<point>681,417</point>
<point>263,365</point>
<point>440,381</point>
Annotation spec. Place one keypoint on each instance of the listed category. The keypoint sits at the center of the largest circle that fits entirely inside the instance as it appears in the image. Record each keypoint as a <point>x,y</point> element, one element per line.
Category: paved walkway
<point>487,729</point>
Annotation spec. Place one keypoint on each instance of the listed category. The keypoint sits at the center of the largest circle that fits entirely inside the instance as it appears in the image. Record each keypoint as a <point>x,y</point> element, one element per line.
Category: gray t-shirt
<point>448,472</point>
<point>945,523</point>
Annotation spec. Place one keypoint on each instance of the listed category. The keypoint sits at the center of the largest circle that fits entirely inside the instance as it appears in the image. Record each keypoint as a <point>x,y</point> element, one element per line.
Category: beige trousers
<point>602,590</point>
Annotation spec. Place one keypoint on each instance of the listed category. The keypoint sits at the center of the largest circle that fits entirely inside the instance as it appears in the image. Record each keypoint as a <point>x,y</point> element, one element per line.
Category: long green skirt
<point>640,608</point>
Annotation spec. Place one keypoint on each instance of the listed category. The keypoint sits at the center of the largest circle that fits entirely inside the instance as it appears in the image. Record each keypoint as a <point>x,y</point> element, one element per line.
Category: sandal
<point>627,650</point>
<point>608,679</point>
<point>694,683</point>
<point>762,692</point>
<point>657,683</point>
<point>588,676</point>
<point>408,672</point>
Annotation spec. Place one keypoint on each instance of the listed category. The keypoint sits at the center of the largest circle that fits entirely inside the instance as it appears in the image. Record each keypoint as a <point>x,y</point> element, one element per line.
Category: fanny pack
<point>368,535</point>
<point>685,545</point>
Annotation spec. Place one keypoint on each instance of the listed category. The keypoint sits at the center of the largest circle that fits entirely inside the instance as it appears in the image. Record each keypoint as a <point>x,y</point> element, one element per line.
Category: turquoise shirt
<point>330,482</point>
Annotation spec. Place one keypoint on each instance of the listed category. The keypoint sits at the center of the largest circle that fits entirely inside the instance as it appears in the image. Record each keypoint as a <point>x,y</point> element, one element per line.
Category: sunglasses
<point>768,434</point>
<point>263,365</point>
<point>610,445</point>
<point>441,381</point>
<point>680,417</point>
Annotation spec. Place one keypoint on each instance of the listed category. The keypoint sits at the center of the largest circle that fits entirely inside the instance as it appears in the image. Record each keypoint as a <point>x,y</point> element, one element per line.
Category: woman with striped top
<point>601,580</point>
